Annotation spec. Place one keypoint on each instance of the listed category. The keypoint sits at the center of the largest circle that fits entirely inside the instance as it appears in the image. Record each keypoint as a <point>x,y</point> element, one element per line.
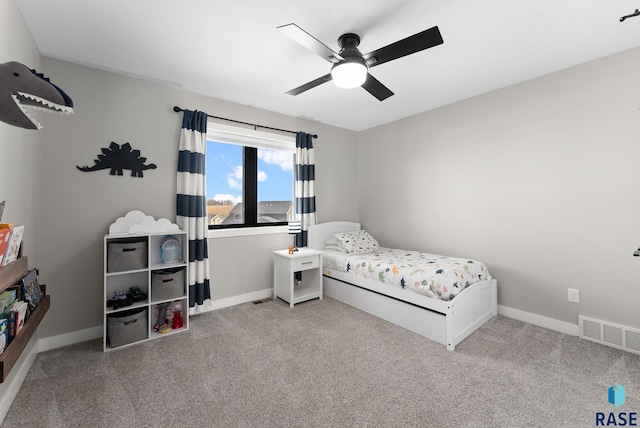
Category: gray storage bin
<point>167,284</point>
<point>127,254</point>
<point>127,327</point>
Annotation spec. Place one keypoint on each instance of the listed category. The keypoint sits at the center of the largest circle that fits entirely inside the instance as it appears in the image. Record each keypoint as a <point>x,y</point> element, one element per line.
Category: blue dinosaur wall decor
<point>117,158</point>
<point>21,89</point>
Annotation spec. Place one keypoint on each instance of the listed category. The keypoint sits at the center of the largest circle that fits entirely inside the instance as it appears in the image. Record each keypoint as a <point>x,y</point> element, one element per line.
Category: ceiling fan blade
<point>310,85</point>
<point>377,89</point>
<point>412,44</point>
<point>310,42</point>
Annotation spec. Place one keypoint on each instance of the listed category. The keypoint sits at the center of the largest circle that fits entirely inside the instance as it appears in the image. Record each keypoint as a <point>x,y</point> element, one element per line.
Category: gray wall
<point>20,148</point>
<point>540,180</point>
<point>21,163</point>
<point>79,206</point>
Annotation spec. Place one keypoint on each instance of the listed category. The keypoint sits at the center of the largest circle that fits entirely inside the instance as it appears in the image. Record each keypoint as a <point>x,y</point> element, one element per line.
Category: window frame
<point>251,140</point>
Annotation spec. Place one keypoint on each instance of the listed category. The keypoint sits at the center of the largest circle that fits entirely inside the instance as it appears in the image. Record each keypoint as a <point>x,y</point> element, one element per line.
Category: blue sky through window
<point>224,173</point>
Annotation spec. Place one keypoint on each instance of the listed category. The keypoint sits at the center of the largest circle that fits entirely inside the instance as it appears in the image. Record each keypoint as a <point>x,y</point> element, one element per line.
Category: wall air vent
<point>606,333</point>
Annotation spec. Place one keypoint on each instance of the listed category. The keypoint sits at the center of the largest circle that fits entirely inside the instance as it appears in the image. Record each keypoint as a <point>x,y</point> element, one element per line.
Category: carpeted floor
<point>325,364</point>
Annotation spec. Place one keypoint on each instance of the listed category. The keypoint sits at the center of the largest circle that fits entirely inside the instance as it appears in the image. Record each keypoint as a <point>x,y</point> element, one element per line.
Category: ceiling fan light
<point>349,74</point>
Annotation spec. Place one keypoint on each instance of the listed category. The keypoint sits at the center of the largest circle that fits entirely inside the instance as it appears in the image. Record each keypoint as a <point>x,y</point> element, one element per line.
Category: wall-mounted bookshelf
<point>10,276</point>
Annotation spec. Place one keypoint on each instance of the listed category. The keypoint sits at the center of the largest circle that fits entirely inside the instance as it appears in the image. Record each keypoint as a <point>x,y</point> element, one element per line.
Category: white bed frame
<point>448,323</point>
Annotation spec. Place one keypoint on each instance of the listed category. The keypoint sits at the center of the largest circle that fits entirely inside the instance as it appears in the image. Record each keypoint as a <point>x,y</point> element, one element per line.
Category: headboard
<point>319,233</point>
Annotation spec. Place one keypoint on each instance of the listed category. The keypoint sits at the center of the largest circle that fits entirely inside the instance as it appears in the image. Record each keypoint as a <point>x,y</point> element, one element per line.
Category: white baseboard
<point>539,320</point>
<point>237,300</point>
<point>49,343</point>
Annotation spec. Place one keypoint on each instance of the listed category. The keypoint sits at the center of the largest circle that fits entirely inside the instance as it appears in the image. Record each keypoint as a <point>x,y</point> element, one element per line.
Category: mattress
<point>430,275</point>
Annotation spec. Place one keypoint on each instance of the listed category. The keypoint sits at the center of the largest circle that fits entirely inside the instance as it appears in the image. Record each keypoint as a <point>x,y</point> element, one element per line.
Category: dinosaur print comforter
<point>431,275</point>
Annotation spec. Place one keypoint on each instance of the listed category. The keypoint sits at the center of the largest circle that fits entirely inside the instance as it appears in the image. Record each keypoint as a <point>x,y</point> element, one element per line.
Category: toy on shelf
<point>136,294</point>
<point>177,315</point>
<point>121,300</point>
<point>170,250</point>
<point>162,323</point>
<point>164,328</point>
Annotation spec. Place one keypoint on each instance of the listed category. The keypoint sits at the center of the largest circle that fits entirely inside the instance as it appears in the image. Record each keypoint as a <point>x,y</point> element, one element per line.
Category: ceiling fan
<point>350,68</point>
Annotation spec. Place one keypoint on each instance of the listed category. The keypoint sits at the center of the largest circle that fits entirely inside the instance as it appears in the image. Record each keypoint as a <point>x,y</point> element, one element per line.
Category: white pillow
<point>333,244</point>
<point>332,241</point>
<point>335,247</point>
<point>358,242</point>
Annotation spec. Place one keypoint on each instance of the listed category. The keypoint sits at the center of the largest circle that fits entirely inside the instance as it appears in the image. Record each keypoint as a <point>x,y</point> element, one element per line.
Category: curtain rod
<point>178,110</point>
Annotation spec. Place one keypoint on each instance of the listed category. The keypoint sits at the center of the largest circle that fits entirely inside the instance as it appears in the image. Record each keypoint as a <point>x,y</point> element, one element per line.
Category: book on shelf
<point>31,291</point>
<point>9,315</point>
<point>4,335</point>
<point>16,315</point>
<point>13,247</point>
<point>5,236</point>
<point>21,316</point>
<point>7,298</point>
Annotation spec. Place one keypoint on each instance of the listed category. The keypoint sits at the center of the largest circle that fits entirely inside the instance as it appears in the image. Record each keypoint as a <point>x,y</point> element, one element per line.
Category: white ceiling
<point>232,50</point>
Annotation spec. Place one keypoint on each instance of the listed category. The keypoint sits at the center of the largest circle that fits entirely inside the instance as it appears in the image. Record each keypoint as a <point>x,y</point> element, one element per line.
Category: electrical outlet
<point>573,295</point>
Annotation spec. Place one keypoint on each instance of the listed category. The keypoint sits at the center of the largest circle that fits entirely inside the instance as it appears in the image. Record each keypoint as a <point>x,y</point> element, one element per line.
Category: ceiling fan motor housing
<point>352,71</point>
<point>349,47</point>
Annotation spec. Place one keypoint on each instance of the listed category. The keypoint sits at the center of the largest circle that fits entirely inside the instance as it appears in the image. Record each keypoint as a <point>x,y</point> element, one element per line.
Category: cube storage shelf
<point>135,260</point>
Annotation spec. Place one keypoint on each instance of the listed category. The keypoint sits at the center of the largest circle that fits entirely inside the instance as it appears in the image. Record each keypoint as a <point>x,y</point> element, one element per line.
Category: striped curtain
<point>191,207</point>
<point>304,189</point>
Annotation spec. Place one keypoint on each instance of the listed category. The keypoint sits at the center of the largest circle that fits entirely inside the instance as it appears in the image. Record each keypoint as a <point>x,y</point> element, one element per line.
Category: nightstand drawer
<point>304,263</point>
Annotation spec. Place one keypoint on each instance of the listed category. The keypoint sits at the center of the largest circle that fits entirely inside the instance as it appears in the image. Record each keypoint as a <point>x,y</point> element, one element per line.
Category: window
<point>249,177</point>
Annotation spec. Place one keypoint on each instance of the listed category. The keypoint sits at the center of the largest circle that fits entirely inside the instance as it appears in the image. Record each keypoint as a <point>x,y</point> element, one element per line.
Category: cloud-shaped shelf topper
<point>138,222</point>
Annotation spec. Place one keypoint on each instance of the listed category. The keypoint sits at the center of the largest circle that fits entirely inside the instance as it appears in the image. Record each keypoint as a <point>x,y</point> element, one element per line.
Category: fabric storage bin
<point>167,284</point>
<point>126,254</point>
<point>127,327</point>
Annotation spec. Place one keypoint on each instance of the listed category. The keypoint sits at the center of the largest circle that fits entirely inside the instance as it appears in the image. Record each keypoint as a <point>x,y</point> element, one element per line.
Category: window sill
<point>247,231</point>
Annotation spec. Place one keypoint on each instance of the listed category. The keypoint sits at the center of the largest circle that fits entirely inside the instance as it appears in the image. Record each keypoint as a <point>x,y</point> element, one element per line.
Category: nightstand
<point>285,265</point>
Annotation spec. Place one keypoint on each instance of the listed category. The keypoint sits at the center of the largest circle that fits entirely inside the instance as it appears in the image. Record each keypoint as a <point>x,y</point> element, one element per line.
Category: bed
<point>446,313</point>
